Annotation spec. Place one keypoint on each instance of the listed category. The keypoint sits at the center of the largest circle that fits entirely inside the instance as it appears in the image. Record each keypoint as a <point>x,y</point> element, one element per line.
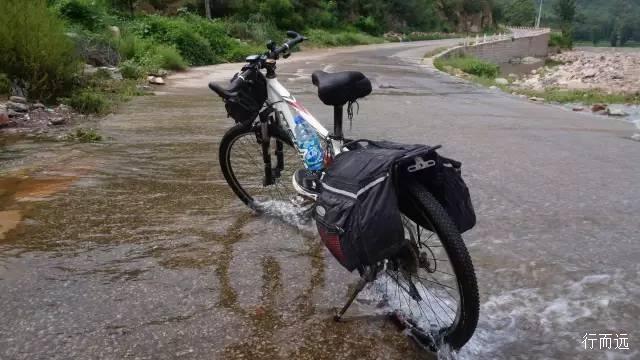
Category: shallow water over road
<point>136,248</point>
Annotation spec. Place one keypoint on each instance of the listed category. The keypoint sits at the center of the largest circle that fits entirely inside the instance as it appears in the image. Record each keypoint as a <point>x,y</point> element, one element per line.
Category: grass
<point>422,36</point>
<point>468,64</point>
<point>326,38</point>
<point>582,43</point>
<point>587,97</point>
<point>99,96</point>
<point>84,135</point>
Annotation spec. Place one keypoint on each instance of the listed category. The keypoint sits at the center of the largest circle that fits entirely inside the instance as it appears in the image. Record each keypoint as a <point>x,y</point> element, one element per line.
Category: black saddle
<point>339,88</point>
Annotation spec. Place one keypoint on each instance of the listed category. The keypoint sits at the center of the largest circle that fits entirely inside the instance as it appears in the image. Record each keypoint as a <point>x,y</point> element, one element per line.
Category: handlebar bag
<point>357,211</point>
<point>245,105</point>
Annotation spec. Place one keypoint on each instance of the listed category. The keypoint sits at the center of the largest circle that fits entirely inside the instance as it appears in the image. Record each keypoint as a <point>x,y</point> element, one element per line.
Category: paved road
<point>136,248</point>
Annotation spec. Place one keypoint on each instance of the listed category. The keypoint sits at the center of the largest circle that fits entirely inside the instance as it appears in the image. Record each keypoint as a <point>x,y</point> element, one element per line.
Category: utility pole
<point>539,15</point>
<point>207,8</point>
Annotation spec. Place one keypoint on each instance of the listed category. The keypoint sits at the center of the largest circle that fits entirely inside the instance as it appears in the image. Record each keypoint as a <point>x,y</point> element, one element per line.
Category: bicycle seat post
<point>337,122</point>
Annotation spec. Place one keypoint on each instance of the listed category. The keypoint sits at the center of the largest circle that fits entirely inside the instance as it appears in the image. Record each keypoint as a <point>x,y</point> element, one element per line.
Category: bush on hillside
<point>131,70</point>
<point>256,28</point>
<point>86,13</point>
<point>34,50</point>
<point>559,40</point>
<point>149,55</point>
<point>180,33</point>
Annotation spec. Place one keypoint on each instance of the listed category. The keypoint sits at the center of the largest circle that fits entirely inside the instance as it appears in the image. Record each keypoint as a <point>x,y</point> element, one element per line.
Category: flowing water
<point>136,248</point>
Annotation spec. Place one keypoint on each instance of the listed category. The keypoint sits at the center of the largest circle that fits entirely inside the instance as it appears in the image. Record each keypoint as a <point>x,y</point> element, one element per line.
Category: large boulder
<point>18,99</point>
<point>17,107</point>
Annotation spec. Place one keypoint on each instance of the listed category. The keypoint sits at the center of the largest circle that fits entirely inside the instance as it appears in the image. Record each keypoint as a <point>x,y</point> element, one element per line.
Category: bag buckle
<point>420,164</point>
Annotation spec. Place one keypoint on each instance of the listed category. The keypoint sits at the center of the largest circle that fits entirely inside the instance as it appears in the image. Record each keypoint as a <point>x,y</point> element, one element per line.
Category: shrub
<point>130,70</point>
<point>558,39</point>
<point>470,65</point>
<point>256,28</point>
<point>149,55</point>
<point>88,102</point>
<point>167,57</point>
<point>88,14</point>
<point>5,85</point>
<point>178,32</point>
<point>369,25</point>
<point>283,13</point>
<point>34,51</point>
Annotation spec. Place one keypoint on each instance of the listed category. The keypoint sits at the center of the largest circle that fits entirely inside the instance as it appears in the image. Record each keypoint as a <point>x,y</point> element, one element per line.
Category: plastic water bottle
<point>309,143</point>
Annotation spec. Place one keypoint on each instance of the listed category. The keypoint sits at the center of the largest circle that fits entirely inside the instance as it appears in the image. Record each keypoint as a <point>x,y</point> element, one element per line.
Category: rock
<point>150,78</point>
<point>512,76</point>
<point>534,71</point>
<point>13,114</point>
<point>616,112</point>
<point>115,31</point>
<point>530,60</point>
<point>57,121</point>
<point>17,107</point>
<point>113,72</point>
<point>89,69</point>
<point>636,137</point>
<point>536,99</point>
<point>493,87</point>
<point>578,108</point>
<point>157,80</point>
<point>161,73</point>
<point>63,108</point>
<point>599,107</point>
<point>589,73</point>
<point>37,106</point>
<point>502,81</point>
<point>4,120</point>
<point>18,99</point>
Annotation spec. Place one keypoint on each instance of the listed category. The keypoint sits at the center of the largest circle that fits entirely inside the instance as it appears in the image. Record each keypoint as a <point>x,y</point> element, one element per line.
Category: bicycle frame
<point>282,101</point>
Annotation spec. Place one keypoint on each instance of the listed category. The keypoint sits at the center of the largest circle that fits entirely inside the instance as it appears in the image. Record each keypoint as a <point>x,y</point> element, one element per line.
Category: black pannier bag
<point>246,104</point>
<point>358,210</point>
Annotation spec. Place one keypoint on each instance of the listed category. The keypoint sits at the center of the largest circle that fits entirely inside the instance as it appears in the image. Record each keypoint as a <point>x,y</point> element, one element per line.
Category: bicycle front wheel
<point>242,164</point>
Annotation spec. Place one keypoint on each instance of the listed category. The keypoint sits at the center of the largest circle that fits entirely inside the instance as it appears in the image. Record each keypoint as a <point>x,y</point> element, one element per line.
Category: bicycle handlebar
<point>274,54</point>
<point>296,39</point>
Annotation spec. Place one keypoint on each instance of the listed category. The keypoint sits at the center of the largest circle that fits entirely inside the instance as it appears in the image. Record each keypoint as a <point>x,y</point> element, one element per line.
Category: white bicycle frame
<point>282,101</point>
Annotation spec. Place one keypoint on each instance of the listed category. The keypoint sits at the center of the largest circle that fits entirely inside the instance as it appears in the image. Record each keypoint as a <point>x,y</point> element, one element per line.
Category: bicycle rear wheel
<point>242,165</point>
<point>432,281</point>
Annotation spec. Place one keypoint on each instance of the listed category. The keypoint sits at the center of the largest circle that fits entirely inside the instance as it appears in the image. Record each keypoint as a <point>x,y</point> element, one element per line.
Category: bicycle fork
<point>264,138</point>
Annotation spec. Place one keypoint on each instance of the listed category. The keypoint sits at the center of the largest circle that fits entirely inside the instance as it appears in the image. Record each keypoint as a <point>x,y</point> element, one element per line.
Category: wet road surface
<point>136,248</point>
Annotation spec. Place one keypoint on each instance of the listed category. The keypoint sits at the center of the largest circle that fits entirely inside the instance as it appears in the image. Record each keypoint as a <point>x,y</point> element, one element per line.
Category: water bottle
<point>309,143</point>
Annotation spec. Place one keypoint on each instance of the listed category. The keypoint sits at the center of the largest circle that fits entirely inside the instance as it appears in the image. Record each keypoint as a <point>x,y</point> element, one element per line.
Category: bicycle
<point>436,295</point>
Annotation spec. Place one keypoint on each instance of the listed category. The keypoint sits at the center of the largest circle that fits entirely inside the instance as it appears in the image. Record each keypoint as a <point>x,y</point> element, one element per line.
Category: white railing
<point>515,33</point>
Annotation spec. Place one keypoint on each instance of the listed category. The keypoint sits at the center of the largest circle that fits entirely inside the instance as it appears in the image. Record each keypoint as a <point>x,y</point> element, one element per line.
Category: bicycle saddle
<point>338,88</point>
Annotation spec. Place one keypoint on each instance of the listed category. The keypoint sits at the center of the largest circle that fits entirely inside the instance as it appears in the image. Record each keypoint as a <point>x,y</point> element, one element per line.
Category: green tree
<point>517,12</point>
<point>566,12</point>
